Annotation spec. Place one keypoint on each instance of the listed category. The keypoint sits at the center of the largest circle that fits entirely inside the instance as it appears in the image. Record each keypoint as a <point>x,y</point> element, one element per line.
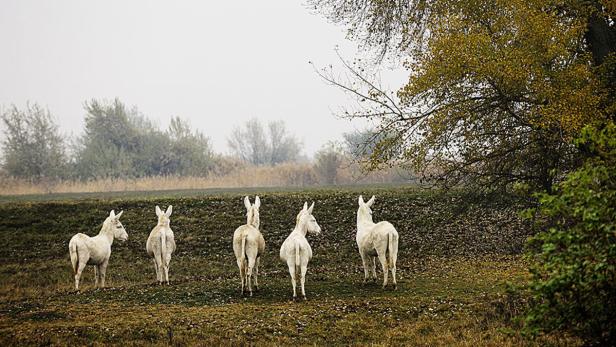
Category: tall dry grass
<point>283,175</point>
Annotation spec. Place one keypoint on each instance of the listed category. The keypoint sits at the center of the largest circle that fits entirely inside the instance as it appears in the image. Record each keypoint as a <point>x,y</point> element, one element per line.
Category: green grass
<point>454,261</point>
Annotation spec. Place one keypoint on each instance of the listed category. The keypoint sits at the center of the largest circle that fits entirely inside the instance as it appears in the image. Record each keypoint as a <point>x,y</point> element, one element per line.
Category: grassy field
<point>455,260</point>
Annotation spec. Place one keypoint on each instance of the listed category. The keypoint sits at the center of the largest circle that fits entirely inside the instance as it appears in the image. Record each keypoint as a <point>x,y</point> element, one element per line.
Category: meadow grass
<point>456,257</point>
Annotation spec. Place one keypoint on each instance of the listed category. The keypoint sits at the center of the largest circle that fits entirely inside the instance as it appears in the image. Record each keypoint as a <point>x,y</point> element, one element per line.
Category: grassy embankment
<point>454,261</point>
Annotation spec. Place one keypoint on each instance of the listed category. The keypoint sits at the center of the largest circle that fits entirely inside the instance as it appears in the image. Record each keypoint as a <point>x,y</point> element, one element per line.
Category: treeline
<point>118,142</point>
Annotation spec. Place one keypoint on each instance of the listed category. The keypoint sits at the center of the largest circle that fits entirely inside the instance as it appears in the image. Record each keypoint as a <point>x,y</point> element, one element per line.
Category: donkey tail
<point>163,247</point>
<point>392,248</point>
<point>72,249</point>
<point>297,260</point>
<point>243,252</point>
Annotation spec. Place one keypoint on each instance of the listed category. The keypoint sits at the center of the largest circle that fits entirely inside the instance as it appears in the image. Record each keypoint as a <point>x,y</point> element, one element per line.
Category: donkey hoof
<point>304,297</point>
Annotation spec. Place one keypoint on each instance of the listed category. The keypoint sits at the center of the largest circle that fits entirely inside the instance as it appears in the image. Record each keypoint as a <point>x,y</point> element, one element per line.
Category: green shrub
<point>573,260</point>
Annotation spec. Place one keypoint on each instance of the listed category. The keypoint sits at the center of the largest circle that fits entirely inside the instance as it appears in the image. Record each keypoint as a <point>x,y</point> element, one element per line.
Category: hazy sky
<point>215,63</point>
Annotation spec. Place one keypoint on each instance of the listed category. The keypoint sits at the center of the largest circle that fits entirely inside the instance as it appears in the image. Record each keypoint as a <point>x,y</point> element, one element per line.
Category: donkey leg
<point>293,282</point>
<point>374,269</point>
<point>392,267</point>
<point>102,270</point>
<point>393,275</point>
<point>166,268</point>
<point>383,261</point>
<point>304,268</point>
<point>256,274</point>
<point>364,260</point>
<point>96,275</point>
<point>156,268</point>
<point>240,265</point>
<point>81,266</point>
<point>159,266</point>
<point>166,263</point>
<point>251,265</point>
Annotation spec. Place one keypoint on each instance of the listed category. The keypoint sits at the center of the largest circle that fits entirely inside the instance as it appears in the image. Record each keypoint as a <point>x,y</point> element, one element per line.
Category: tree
<point>33,147</point>
<point>327,162</point>
<point>573,260</point>
<point>284,147</point>
<point>253,144</point>
<point>110,141</point>
<point>189,152</point>
<point>497,93</point>
<point>119,142</point>
<point>497,90</point>
<point>397,27</point>
<point>361,144</point>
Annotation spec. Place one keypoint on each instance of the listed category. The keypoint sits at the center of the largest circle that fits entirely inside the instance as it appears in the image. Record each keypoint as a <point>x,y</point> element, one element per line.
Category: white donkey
<point>249,245</point>
<point>376,240</point>
<point>161,244</point>
<point>296,251</point>
<point>86,250</point>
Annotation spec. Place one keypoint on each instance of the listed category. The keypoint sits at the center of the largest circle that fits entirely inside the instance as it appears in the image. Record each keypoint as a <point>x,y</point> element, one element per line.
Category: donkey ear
<point>311,208</point>
<point>257,202</point>
<point>305,206</point>
<point>169,210</point>
<point>158,211</point>
<point>370,202</point>
<point>247,203</point>
<point>119,214</point>
<point>112,214</point>
<point>360,201</point>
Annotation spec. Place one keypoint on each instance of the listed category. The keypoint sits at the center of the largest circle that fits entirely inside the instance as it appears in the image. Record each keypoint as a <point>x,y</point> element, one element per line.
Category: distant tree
<point>361,144</point>
<point>284,147</point>
<point>327,162</point>
<point>255,145</point>
<point>121,142</point>
<point>189,152</point>
<point>110,141</point>
<point>152,144</point>
<point>249,142</point>
<point>33,147</point>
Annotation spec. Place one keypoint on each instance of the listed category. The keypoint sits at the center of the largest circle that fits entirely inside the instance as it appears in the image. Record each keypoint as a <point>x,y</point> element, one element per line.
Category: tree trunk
<point>601,37</point>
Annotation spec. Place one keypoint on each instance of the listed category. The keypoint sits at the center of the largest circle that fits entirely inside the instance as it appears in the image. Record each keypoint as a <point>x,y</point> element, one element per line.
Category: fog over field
<point>216,64</point>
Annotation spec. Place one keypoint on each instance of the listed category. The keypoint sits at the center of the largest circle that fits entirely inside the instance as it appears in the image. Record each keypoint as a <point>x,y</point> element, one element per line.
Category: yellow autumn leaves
<point>522,56</point>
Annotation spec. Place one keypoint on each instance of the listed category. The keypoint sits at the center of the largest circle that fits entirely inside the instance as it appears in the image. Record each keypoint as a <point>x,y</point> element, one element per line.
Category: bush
<point>573,261</point>
<point>33,147</point>
<point>327,163</point>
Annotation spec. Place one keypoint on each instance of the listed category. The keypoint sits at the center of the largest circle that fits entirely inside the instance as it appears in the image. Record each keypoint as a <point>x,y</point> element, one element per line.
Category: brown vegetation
<point>235,176</point>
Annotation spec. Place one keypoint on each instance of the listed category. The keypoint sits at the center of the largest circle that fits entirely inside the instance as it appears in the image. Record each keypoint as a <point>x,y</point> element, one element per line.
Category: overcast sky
<point>215,63</point>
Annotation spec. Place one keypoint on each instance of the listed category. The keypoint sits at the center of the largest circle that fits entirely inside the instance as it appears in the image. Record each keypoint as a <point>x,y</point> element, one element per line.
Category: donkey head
<point>163,217</point>
<point>113,223</point>
<point>252,211</point>
<point>364,212</point>
<point>305,217</point>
